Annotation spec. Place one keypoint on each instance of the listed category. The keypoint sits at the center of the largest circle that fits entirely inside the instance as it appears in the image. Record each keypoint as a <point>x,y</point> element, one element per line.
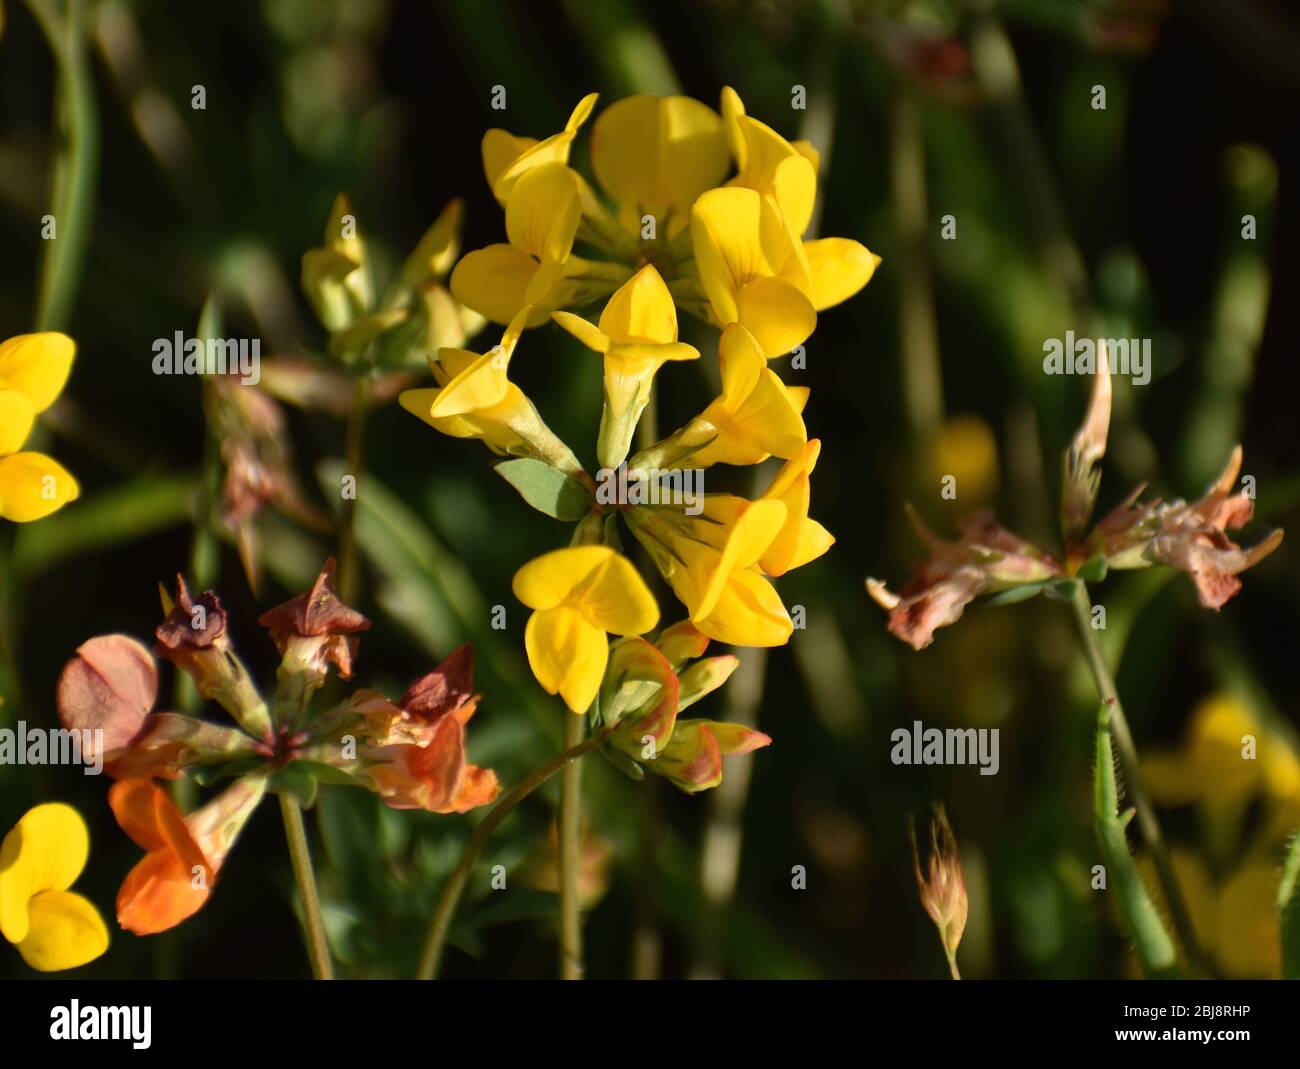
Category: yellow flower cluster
<point>33,371</point>
<point>689,209</point>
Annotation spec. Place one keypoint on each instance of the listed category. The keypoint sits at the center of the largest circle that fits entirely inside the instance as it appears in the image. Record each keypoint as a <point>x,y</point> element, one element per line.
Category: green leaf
<point>1093,570</point>
<point>205,775</point>
<point>324,773</point>
<point>1061,589</point>
<point>1155,949</point>
<point>296,784</point>
<point>547,489</point>
<point>1017,593</point>
<point>1288,904</point>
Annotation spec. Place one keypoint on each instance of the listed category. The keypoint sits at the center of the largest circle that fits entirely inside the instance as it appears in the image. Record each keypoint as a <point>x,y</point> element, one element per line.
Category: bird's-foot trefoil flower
<point>475,398</point>
<point>412,753</point>
<point>53,927</point>
<point>579,594</point>
<point>33,371</point>
<point>637,334</point>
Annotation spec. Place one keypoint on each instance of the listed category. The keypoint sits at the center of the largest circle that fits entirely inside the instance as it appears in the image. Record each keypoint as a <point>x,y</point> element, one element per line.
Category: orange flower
<point>184,854</point>
<point>420,753</point>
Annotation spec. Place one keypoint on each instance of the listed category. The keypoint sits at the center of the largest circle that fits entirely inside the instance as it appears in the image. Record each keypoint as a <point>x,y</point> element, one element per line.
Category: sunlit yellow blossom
<point>756,415</point>
<point>711,562</point>
<point>475,399</point>
<point>738,246</point>
<point>655,155</point>
<point>42,856</point>
<point>537,267</point>
<point>637,333</point>
<point>33,371</point>
<point>801,538</point>
<point>750,269</point>
<point>579,594</point>
<point>507,157</point>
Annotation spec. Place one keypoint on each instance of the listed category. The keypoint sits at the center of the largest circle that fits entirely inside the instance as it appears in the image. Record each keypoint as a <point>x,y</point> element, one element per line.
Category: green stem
<point>73,185</point>
<point>440,922</point>
<point>570,848</point>
<point>354,460</point>
<point>1123,739</point>
<point>300,855</point>
<point>952,965</point>
<point>10,697</point>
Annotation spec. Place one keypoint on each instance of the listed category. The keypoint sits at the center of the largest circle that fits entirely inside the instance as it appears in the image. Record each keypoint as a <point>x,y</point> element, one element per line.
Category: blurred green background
<point>1067,218</point>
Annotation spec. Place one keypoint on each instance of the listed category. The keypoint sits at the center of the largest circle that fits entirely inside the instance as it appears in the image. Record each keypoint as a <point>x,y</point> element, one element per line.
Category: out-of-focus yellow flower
<point>334,274</point>
<point>507,158</point>
<point>1229,759</point>
<point>42,856</point>
<point>475,399</point>
<point>637,333</point>
<point>711,562</point>
<point>965,448</point>
<point>655,155</point>
<point>33,371</point>
<point>756,415</point>
<point>578,595</point>
<point>801,538</point>
<point>1235,917</point>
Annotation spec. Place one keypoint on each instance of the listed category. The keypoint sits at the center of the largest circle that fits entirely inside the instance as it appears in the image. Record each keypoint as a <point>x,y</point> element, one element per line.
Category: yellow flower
<point>756,415</point>
<point>537,267</point>
<point>334,274</point>
<point>53,928</point>
<point>475,399</point>
<point>801,538</point>
<point>749,268</point>
<point>506,158</point>
<point>711,562</point>
<point>579,594</point>
<point>655,155</point>
<point>33,371</point>
<point>637,333</point>
<point>750,249</point>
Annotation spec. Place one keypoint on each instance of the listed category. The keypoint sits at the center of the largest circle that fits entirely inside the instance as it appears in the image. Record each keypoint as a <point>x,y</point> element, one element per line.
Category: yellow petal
<point>840,267</point>
<point>32,486</point>
<point>37,365</point>
<point>732,110</point>
<point>554,149</point>
<point>494,281</point>
<point>567,655</point>
<point>543,212</point>
<point>655,155</point>
<point>586,332</point>
<point>725,234</point>
<point>45,851</point>
<point>16,416</point>
<point>617,599</point>
<point>500,149</point>
<point>641,310</point>
<point>776,313</point>
<point>481,385</point>
<point>748,612</point>
<point>66,931</point>
<point>750,535</point>
<point>551,579</point>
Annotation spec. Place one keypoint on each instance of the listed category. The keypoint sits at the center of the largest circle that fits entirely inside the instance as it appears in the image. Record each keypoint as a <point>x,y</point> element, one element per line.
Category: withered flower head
<point>318,624</point>
<point>1189,537</point>
<point>316,612</point>
<point>942,886</point>
<point>986,558</point>
<point>185,628</point>
<point>444,690</point>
